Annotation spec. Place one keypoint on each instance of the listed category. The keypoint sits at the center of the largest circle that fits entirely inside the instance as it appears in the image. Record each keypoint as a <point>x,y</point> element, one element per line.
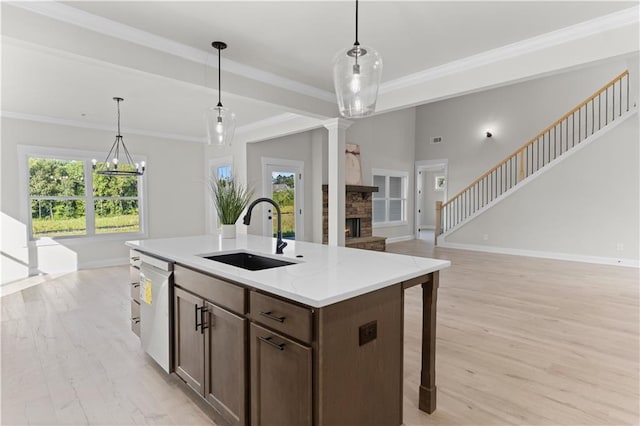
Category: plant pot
<point>229,231</point>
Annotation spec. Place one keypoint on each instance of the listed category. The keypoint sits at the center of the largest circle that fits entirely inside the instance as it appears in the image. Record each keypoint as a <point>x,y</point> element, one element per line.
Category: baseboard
<point>568,154</point>
<point>631,263</point>
<point>400,238</point>
<point>427,227</point>
<point>116,261</point>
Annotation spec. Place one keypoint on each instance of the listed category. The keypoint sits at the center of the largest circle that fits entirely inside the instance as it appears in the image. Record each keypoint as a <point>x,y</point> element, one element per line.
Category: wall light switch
<point>485,237</point>
<point>620,247</point>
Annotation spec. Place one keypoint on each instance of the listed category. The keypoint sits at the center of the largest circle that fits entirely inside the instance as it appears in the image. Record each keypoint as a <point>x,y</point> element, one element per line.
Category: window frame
<point>31,151</point>
<point>387,199</point>
<point>212,174</point>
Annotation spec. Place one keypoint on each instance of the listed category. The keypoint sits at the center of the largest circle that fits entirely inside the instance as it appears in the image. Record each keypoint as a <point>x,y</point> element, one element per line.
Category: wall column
<point>337,128</point>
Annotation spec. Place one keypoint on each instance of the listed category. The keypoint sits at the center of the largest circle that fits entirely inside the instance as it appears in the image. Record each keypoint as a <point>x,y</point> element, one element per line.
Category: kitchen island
<point>318,341</point>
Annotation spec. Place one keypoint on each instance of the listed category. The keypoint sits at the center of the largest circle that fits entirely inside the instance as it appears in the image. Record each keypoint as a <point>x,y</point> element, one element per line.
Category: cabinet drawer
<point>134,274</point>
<point>135,292</point>
<point>282,316</point>
<point>215,290</point>
<point>134,258</point>
<point>135,326</point>
<point>135,310</point>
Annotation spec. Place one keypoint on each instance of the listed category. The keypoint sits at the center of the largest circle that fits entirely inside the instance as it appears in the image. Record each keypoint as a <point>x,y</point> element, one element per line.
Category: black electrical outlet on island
<point>368,332</point>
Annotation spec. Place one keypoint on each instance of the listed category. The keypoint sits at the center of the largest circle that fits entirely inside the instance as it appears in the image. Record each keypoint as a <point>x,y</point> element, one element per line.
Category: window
<point>390,202</point>
<point>219,168</point>
<point>67,199</point>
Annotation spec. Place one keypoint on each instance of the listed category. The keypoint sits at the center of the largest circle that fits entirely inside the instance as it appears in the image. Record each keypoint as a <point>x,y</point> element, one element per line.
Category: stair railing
<point>595,113</point>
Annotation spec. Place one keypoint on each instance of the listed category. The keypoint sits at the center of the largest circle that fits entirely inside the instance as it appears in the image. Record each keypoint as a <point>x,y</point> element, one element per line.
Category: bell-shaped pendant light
<point>221,121</point>
<point>356,77</point>
<point>119,161</point>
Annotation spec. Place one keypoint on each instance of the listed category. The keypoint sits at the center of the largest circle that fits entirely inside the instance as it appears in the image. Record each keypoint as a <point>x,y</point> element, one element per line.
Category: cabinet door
<point>226,363</point>
<point>280,380</point>
<point>189,339</point>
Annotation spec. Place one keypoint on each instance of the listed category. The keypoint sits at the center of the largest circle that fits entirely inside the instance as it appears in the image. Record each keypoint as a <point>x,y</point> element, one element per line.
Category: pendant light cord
<point>356,43</point>
<point>219,73</point>
<point>118,100</point>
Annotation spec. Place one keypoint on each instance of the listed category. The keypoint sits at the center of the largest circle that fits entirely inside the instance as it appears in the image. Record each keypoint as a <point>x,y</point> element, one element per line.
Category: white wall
<point>297,147</point>
<point>515,114</point>
<point>557,214</point>
<point>586,206</point>
<point>387,141</point>
<point>174,183</point>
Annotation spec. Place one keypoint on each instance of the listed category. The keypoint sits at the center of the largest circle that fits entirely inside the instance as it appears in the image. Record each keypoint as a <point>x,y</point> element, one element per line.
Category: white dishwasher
<point>156,305</point>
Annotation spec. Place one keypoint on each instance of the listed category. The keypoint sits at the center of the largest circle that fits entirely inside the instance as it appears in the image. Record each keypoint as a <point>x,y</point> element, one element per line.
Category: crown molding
<point>266,123</point>
<point>80,18</point>
<point>544,41</point>
<point>95,126</point>
<point>337,123</point>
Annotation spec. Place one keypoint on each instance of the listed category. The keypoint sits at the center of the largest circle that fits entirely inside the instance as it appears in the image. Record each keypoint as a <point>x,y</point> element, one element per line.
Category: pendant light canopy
<point>356,77</point>
<point>221,121</point>
<point>119,161</point>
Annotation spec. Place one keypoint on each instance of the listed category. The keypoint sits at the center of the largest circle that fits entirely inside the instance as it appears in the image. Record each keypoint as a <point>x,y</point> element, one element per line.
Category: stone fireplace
<point>358,218</point>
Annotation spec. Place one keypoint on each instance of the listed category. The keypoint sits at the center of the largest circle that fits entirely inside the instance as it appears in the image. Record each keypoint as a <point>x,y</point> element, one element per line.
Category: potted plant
<point>230,199</point>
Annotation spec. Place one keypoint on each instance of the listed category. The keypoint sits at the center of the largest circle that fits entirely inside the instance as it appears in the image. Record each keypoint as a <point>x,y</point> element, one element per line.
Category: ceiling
<point>67,60</point>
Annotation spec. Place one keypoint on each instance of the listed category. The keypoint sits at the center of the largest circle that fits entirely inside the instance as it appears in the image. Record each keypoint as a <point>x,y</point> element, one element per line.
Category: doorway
<point>283,183</point>
<point>431,186</point>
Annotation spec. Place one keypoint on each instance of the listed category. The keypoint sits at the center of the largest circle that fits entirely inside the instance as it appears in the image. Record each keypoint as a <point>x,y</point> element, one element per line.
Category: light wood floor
<point>520,341</point>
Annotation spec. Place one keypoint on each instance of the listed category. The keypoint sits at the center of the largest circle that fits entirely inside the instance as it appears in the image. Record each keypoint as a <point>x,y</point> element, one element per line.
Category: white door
<point>431,178</point>
<point>283,183</point>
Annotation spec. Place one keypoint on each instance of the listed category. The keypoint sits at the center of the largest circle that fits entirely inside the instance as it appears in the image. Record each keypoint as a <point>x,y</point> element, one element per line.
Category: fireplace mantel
<point>355,188</point>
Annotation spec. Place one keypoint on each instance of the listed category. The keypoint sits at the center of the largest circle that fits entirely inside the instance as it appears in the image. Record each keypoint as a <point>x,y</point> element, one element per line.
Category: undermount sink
<point>249,261</point>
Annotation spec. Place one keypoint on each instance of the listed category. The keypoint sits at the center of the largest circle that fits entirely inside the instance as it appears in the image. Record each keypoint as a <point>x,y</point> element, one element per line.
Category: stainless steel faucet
<point>280,245</point>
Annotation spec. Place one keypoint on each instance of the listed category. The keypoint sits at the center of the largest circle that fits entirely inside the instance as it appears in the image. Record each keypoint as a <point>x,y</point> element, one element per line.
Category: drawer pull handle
<point>272,317</point>
<point>135,285</point>
<point>268,341</point>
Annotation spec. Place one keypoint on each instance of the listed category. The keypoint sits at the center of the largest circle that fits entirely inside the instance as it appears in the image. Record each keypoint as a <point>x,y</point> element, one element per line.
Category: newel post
<point>438,229</point>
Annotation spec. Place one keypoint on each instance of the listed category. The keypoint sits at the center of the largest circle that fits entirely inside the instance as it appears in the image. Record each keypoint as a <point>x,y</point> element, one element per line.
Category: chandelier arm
<point>111,151</point>
<point>126,153</point>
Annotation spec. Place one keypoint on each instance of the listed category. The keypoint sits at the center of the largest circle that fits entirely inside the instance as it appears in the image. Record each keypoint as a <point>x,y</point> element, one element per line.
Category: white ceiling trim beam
<point>125,32</point>
<point>95,126</point>
<point>582,30</point>
<point>510,66</point>
<point>274,127</point>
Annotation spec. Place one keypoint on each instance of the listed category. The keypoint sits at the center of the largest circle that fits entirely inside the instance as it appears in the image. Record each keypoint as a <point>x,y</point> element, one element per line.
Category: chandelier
<point>119,161</point>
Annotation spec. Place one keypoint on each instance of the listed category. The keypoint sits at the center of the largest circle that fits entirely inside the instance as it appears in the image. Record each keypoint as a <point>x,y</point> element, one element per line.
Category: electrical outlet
<point>620,247</point>
<point>368,332</point>
<point>485,237</point>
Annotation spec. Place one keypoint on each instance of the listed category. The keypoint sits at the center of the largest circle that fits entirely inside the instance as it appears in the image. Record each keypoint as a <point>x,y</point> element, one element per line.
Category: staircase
<point>599,111</point>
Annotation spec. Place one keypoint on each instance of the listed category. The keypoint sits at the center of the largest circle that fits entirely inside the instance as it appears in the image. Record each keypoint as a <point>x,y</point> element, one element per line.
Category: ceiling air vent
<point>436,139</point>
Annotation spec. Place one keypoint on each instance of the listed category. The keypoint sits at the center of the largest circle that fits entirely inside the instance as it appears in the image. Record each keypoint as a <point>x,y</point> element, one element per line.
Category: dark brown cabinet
<point>188,339</point>
<point>263,360</point>
<point>210,345</point>
<point>225,363</point>
<point>281,380</point>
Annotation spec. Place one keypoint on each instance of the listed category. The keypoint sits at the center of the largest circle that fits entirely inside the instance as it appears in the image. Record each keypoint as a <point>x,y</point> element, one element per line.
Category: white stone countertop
<point>322,276</point>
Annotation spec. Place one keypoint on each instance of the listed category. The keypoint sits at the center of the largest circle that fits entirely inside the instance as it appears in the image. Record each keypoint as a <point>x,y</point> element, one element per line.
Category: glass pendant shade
<point>221,124</point>
<point>356,76</point>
